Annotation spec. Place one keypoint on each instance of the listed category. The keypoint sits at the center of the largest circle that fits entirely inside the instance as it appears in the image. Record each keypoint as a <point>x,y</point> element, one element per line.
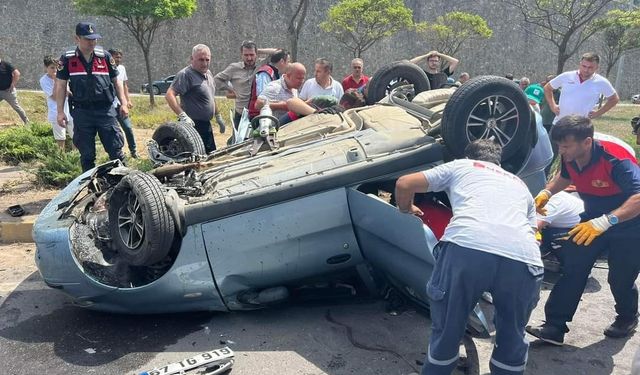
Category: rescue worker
<point>91,73</point>
<point>494,236</point>
<point>264,75</point>
<point>607,177</point>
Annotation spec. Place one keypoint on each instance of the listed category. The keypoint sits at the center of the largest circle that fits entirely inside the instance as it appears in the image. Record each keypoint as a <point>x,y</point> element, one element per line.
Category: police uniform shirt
<point>89,81</point>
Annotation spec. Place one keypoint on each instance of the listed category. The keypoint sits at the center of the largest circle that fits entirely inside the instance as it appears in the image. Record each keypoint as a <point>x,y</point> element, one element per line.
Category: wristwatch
<point>613,219</point>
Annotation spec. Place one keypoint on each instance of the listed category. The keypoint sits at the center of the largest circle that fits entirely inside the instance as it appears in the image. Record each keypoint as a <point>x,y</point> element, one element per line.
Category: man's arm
<point>124,106</point>
<point>611,102</point>
<point>557,184</point>
<point>300,107</point>
<point>15,76</point>
<point>418,59</point>
<point>125,90</point>
<point>453,62</point>
<point>60,94</point>
<point>406,187</point>
<point>629,209</point>
<point>172,101</point>
<point>548,95</point>
<point>266,51</point>
<point>222,81</point>
<point>280,105</point>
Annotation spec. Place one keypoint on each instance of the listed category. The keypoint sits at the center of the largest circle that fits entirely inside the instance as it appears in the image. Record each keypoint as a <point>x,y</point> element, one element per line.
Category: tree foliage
<point>620,31</point>
<point>448,33</point>
<point>359,24</point>
<point>565,23</point>
<point>141,17</point>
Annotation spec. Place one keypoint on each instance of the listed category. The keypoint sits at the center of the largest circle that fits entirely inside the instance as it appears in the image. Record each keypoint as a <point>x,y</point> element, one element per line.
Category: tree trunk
<point>147,63</point>
<point>562,59</point>
<point>295,26</point>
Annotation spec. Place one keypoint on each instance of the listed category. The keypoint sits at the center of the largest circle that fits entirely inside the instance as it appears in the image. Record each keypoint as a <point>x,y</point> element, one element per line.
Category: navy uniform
<point>92,94</point>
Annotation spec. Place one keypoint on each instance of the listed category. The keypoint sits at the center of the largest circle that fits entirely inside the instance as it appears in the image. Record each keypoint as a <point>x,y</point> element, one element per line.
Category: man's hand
<point>124,110</point>
<point>555,109</point>
<point>541,200</point>
<point>231,94</point>
<point>413,210</point>
<point>185,120</point>
<point>129,104</point>
<point>62,119</point>
<point>433,53</point>
<point>585,233</point>
<point>220,123</point>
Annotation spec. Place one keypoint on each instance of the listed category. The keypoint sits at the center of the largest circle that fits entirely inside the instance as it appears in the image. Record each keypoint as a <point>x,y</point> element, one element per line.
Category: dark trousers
<point>576,262</point>
<point>204,129</point>
<point>459,278</point>
<point>127,128</point>
<point>88,122</point>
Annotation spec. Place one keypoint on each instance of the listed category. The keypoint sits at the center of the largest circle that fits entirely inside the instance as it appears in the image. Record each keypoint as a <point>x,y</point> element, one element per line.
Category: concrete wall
<point>33,28</point>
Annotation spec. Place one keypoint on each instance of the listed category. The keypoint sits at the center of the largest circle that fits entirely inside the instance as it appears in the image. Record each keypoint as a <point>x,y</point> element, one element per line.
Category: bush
<point>26,143</point>
<point>59,168</point>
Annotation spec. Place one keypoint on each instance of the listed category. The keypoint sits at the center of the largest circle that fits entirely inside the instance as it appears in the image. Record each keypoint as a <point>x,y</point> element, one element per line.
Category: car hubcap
<point>130,222</point>
<point>495,116</point>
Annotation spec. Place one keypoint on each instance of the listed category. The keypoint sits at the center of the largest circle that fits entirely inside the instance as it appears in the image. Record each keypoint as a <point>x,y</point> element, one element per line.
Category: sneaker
<point>621,327</point>
<point>547,333</point>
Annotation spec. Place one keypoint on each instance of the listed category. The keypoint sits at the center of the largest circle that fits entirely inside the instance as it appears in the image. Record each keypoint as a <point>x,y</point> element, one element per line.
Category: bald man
<point>278,92</point>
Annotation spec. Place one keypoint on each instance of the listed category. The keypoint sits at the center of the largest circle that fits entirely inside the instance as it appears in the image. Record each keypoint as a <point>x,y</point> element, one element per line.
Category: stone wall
<point>33,28</point>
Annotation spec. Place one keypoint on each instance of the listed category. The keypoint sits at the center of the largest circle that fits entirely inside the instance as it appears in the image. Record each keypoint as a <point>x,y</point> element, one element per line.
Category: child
<point>47,83</point>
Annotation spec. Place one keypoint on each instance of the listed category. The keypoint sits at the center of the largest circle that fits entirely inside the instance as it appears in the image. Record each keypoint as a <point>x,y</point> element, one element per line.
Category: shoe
<point>547,333</point>
<point>621,327</point>
<point>134,155</point>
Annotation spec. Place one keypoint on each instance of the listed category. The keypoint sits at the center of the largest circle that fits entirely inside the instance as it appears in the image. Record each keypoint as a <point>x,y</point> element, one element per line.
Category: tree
<point>448,33</point>
<point>620,31</point>
<point>562,22</point>
<point>141,17</point>
<point>295,26</point>
<point>359,24</point>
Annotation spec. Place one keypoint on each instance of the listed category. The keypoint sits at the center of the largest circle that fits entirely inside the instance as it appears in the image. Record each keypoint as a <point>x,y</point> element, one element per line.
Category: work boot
<point>134,154</point>
<point>621,327</point>
<point>547,333</point>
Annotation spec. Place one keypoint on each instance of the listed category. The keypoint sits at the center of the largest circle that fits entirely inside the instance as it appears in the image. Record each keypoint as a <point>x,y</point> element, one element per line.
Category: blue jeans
<point>459,278</point>
<point>125,123</point>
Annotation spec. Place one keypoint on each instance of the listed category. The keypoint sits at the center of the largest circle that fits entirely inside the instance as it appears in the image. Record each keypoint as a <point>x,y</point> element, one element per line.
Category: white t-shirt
<point>579,98</point>
<point>47,84</point>
<point>563,210</point>
<point>311,89</point>
<point>122,77</point>
<point>493,210</point>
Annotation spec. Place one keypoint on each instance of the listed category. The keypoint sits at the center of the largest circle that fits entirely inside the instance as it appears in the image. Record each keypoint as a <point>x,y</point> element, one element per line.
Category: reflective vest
<point>273,74</point>
<point>93,86</point>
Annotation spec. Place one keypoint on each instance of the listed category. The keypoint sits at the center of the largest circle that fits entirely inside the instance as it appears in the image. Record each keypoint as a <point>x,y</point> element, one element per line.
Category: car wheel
<point>485,107</point>
<point>141,226</point>
<point>393,75</point>
<point>156,90</point>
<point>176,139</point>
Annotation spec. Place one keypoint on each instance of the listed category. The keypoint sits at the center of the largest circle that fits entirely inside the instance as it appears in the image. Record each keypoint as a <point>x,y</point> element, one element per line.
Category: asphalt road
<point>42,333</point>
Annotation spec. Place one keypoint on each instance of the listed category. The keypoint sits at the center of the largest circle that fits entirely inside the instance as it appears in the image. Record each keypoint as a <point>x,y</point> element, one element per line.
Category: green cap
<point>535,92</point>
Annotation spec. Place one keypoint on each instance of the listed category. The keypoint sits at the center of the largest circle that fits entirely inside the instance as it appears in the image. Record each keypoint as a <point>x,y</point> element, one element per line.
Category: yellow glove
<point>541,200</point>
<point>585,233</point>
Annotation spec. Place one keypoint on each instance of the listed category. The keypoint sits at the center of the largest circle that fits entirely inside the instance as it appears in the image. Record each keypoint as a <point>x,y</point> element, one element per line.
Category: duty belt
<point>90,105</point>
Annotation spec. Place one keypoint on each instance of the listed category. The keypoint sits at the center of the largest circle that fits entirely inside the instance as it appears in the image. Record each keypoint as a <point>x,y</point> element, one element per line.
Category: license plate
<point>223,355</point>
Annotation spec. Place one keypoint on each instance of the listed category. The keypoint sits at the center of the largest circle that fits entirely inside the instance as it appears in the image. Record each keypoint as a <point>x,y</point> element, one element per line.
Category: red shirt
<point>349,83</point>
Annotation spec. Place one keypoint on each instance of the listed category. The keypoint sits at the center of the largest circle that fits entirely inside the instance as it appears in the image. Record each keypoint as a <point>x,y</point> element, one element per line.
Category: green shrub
<point>59,168</point>
<point>26,143</point>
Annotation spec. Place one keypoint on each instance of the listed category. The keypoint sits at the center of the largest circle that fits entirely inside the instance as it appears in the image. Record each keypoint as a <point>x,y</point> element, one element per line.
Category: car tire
<point>390,76</point>
<point>156,90</point>
<point>142,229</point>
<point>175,139</point>
<point>483,107</point>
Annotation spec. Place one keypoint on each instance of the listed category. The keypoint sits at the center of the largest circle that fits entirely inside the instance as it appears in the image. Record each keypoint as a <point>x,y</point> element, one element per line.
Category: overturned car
<point>239,230</point>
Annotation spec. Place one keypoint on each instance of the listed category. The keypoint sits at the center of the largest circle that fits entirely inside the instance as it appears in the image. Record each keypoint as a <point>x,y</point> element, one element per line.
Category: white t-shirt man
<point>493,210</point>
<point>563,211</point>
<point>59,133</point>
<point>122,77</point>
<point>311,89</point>
<point>579,98</point>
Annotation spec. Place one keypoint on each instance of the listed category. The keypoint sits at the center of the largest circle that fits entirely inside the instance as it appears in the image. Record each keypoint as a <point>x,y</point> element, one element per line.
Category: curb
<point>17,229</point>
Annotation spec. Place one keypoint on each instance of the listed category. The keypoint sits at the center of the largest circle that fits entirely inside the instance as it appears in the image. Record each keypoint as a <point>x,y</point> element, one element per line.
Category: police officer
<point>607,177</point>
<point>91,73</point>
